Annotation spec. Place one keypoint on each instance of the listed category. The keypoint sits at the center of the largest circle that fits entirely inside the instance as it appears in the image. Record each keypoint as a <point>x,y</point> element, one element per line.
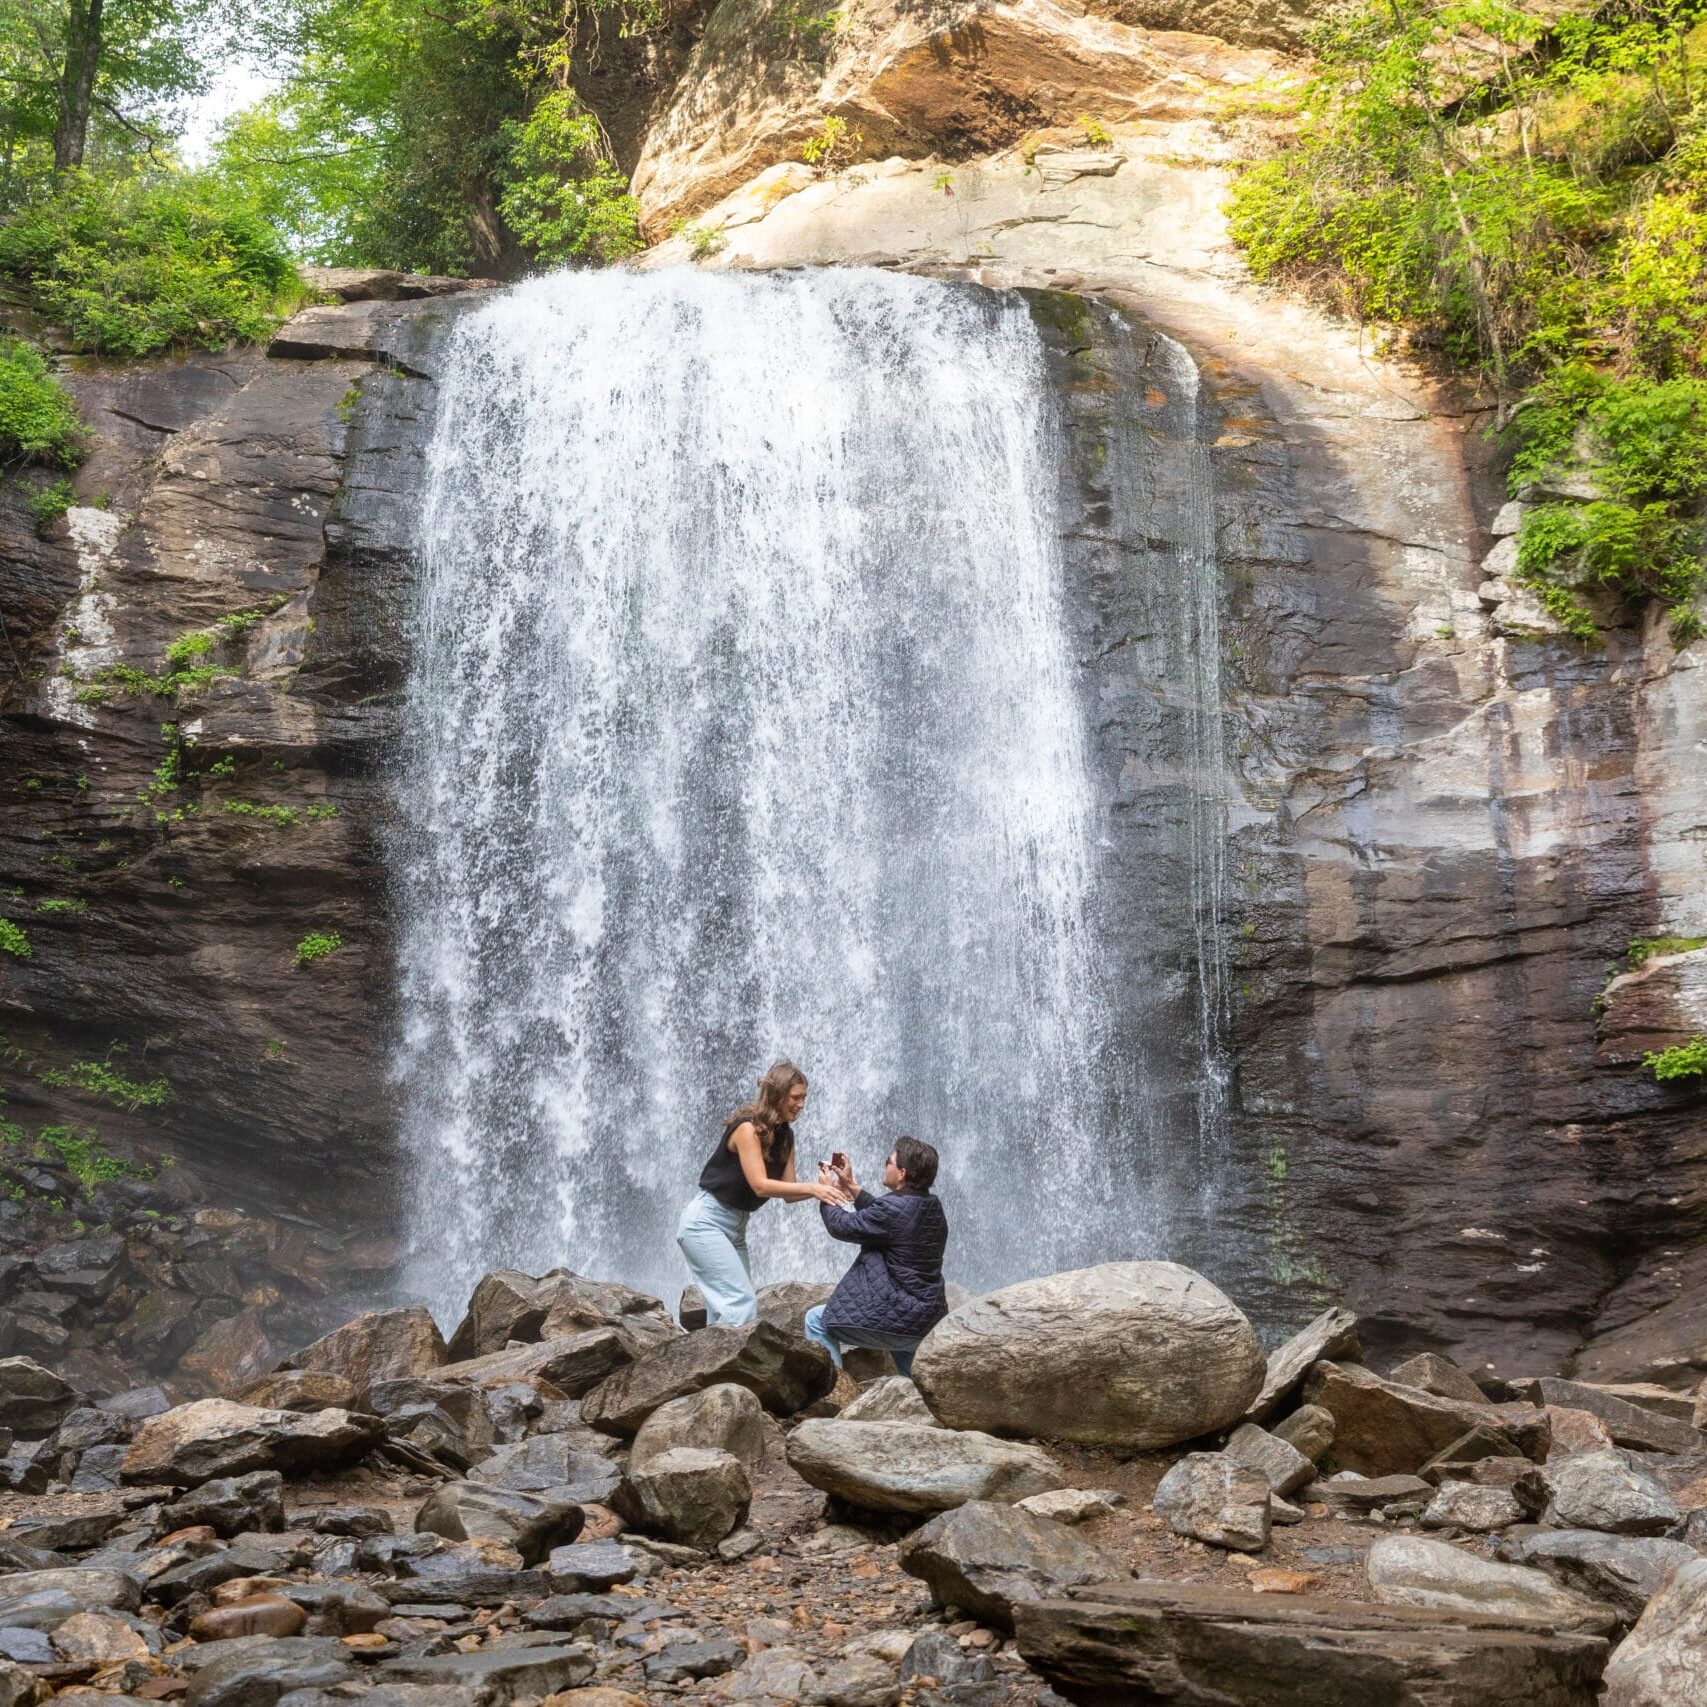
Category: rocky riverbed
<point>574,1500</point>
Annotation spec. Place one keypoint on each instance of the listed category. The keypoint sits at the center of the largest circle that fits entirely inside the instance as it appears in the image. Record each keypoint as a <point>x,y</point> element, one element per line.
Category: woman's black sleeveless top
<point>722,1175</point>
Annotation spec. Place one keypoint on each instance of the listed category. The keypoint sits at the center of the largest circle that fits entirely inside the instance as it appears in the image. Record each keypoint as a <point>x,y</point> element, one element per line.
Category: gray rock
<point>1625,1571</point>
<point>1604,1490</point>
<point>775,1675</point>
<point>572,1363</point>
<point>137,1403</point>
<point>687,1494</point>
<point>1663,1661</point>
<point>723,1418</point>
<point>1438,1375</point>
<point>66,1532</point>
<point>1198,1645</point>
<point>99,1470</point>
<point>25,1646</point>
<point>687,1662</point>
<point>1382,1428</point>
<point>33,1400</point>
<point>1136,1354</point>
<point>229,1505</point>
<point>786,1373</point>
<point>592,1565</point>
<point>533,1525</point>
<point>1216,1499</point>
<point>1333,1335</point>
<point>898,1466</point>
<point>858,1680</point>
<point>257,1671</point>
<point>549,1461</point>
<point>496,1676</point>
<point>508,1305</point>
<point>1286,1468</point>
<point>1406,1570</point>
<point>43,1600</point>
<point>1469,1506</point>
<point>356,1520</point>
<point>1072,1505</point>
<point>19,1688</point>
<point>987,1558</point>
<point>216,1437</point>
<point>936,1654</point>
<point>892,1399</point>
<point>1310,1430</point>
<point>1631,1425</point>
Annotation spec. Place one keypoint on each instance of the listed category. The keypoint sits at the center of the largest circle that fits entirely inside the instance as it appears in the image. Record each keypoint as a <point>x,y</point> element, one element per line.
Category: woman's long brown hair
<point>766,1113</point>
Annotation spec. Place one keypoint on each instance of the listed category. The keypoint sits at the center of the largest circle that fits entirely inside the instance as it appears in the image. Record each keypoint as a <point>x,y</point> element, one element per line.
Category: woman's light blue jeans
<point>898,1348</point>
<point>713,1238</point>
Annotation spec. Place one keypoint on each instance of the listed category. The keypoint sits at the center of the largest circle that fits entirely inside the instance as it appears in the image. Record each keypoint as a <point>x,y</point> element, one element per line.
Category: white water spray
<point>743,725</point>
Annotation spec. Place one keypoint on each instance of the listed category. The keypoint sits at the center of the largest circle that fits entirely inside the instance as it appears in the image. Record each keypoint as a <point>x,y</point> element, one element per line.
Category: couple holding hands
<point>892,1296</point>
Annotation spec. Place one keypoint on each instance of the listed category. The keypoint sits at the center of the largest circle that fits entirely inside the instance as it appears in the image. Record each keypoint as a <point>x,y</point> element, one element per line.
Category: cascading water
<point>743,724</point>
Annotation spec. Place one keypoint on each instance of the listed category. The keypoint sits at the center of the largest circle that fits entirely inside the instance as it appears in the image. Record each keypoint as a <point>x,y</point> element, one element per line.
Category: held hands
<point>829,1188</point>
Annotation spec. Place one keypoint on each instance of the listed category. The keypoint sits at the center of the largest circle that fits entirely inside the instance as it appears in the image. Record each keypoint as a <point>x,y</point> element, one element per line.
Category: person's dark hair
<point>766,1111</point>
<point>917,1160</point>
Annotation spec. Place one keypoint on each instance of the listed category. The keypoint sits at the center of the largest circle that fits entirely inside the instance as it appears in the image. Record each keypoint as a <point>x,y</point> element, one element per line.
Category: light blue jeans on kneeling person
<point>899,1348</point>
<point>713,1238</point>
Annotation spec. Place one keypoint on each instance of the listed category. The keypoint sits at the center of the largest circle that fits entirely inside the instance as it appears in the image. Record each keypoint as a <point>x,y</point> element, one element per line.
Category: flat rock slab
<point>1639,1426</point>
<point>1407,1570</point>
<point>904,1466</point>
<point>571,1363</point>
<point>1333,1335</point>
<point>785,1372</point>
<point>1127,1645</point>
<point>495,1677</point>
<point>1623,1570</point>
<point>217,1437</point>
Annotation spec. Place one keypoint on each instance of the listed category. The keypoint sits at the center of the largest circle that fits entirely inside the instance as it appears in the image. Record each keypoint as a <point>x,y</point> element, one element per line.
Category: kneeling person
<point>894,1294</point>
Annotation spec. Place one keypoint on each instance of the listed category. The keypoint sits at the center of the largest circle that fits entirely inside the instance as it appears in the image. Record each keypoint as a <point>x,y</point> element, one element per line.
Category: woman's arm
<point>745,1142</point>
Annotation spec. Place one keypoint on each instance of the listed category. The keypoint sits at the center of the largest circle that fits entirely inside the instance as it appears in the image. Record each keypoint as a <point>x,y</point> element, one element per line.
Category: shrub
<point>1681,1061</point>
<point>37,420</point>
<point>100,1078</point>
<point>131,266</point>
<point>13,940</point>
<point>565,197</point>
<point>316,946</point>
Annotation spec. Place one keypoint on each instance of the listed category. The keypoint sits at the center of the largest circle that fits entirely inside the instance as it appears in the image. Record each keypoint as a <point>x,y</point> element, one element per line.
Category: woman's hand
<point>827,1191</point>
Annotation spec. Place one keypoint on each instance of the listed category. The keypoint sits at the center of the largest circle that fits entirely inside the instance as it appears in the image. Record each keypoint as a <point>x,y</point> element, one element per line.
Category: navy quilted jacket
<point>895,1285</point>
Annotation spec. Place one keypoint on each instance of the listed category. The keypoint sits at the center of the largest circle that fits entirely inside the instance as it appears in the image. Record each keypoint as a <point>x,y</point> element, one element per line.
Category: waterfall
<point>743,724</point>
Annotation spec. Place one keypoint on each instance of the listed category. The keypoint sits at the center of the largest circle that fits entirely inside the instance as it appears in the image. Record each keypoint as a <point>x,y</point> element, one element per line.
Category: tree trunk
<point>77,83</point>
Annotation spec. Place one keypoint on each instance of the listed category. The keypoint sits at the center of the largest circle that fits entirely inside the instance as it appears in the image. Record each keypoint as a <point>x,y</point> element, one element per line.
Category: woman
<point>753,1162</point>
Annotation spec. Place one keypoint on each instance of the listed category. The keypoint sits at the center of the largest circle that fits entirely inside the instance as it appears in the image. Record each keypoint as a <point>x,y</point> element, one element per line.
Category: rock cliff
<point>1443,822</point>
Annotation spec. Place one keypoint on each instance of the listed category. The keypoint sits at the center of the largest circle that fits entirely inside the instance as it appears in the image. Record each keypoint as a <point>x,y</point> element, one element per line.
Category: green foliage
<point>63,904</point>
<point>564,197</point>
<point>705,240</point>
<point>283,816</point>
<point>1644,949</point>
<point>13,940</point>
<point>831,143</point>
<point>1528,195</point>
<point>316,946</point>
<point>239,622</point>
<point>100,1078</point>
<point>185,647</point>
<point>1096,133</point>
<point>1681,1061</point>
<point>38,422</point>
<point>86,1157</point>
<point>49,503</point>
<point>137,264</point>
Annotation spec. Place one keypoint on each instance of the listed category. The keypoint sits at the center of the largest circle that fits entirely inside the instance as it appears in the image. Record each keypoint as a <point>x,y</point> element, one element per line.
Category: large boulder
<point>687,1494</point>
<point>900,1466</point>
<point>725,1418</point>
<point>1625,1571</point>
<point>1384,1429</point>
<point>508,1305</point>
<point>1136,1354</point>
<point>785,1373</point>
<point>1216,1499</point>
<point>299,1390</point>
<point>1606,1491</point>
<point>475,1511</point>
<point>33,1400</point>
<point>989,1558</point>
<point>1333,1334</point>
<point>1406,1570</point>
<point>383,1345</point>
<point>1663,1661</point>
<point>216,1437</point>
<point>230,1505</point>
<point>1204,1645</point>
